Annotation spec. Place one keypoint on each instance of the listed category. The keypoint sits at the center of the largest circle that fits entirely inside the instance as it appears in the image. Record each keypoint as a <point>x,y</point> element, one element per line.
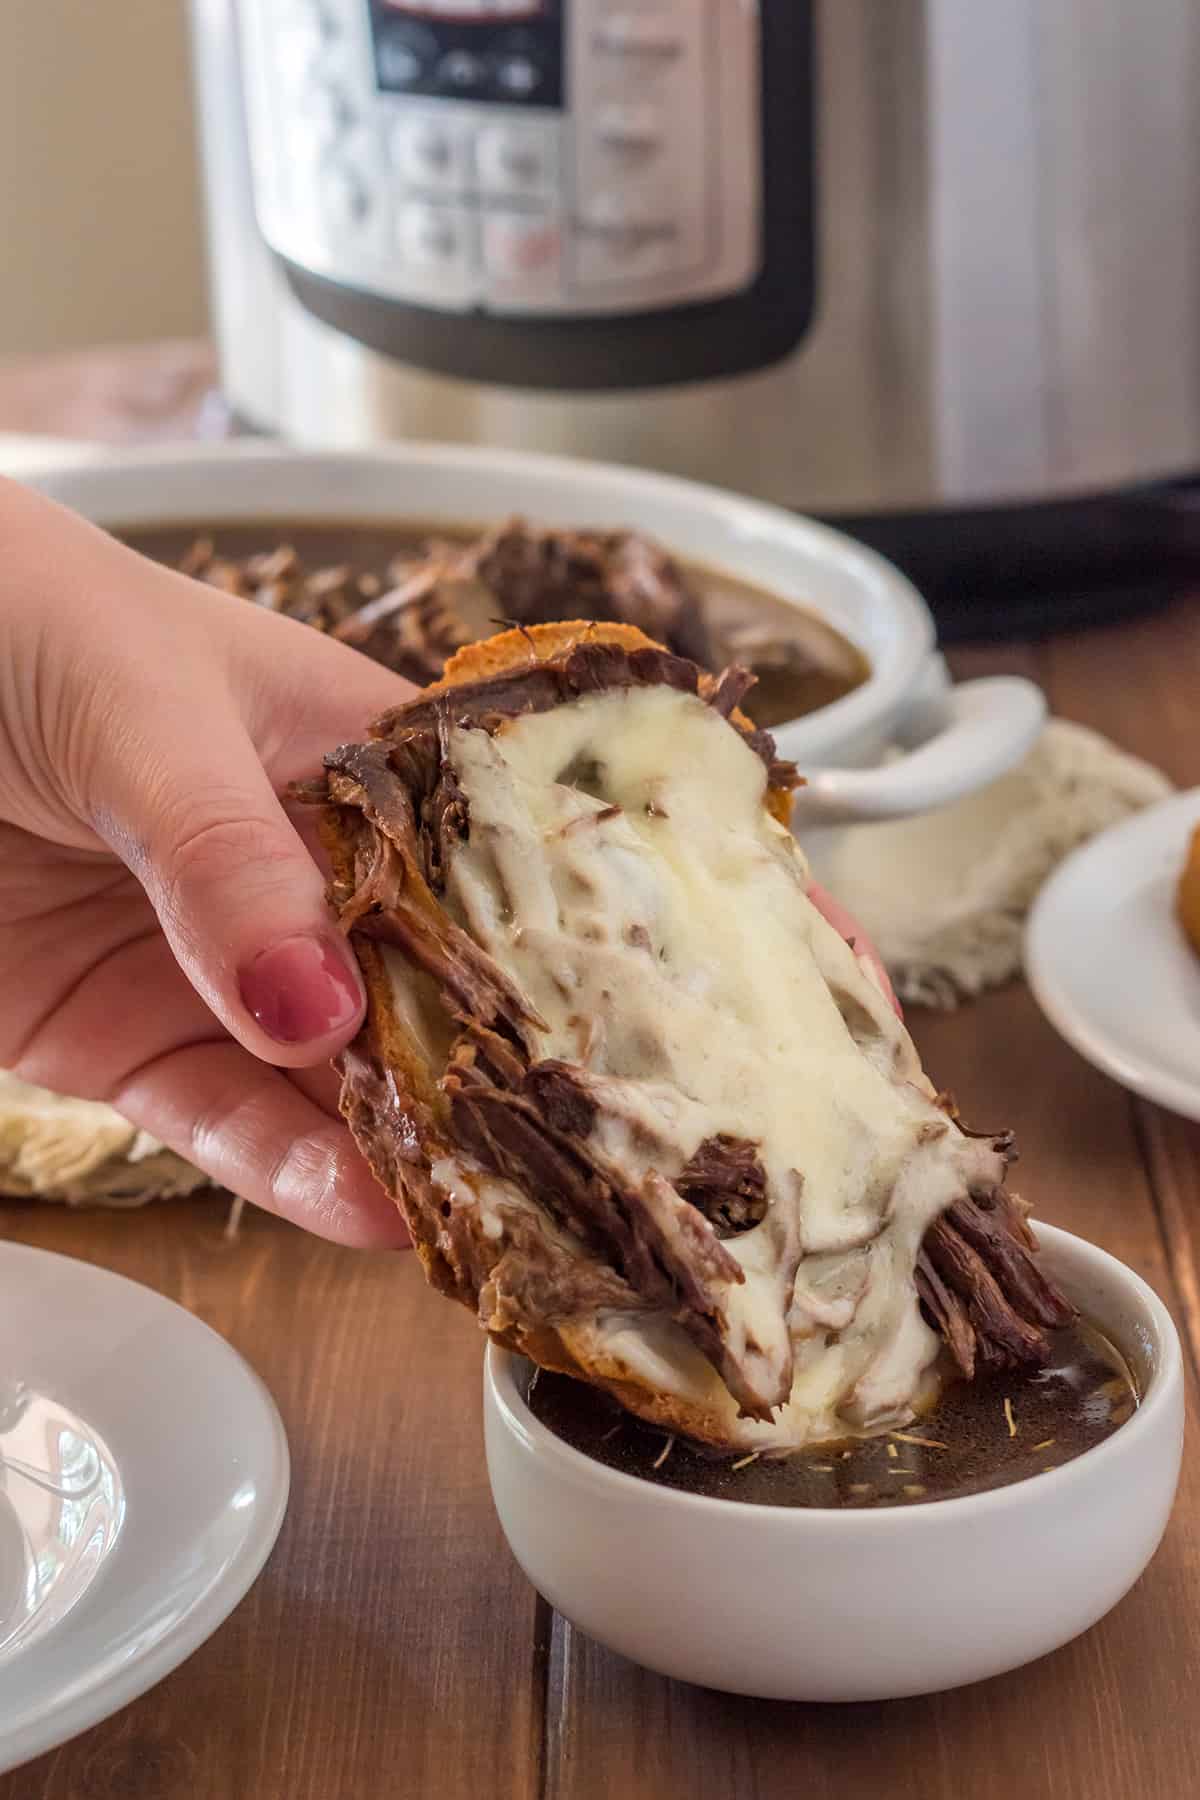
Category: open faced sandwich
<point>646,1113</point>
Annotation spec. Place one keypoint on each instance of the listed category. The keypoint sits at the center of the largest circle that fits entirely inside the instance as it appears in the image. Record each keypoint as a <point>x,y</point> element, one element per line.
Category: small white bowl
<point>821,1604</point>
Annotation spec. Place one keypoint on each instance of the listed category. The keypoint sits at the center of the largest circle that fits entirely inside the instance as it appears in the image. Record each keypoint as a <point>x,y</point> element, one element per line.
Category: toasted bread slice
<point>640,1105</point>
<point>499,655</point>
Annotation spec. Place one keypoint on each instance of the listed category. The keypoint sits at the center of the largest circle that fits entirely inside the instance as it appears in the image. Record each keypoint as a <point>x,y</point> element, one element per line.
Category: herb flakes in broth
<point>979,1435</point>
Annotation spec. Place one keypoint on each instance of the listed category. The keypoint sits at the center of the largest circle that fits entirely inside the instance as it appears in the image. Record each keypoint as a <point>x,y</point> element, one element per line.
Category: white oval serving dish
<point>957,738</point>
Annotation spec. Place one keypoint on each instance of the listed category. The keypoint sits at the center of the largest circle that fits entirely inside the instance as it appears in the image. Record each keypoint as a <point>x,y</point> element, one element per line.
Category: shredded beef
<point>279,581</point>
<point>558,1096</point>
<point>532,1123</point>
<point>998,1234</point>
<point>947,1314</point>
<point>542,576</point>
<point>479,1047</point>
<point>540,685</point>
<point>538,1280</point>
<point>650,1237</point>
<point>982,1288</point>
<point>512,1136</point>
<point>589,668</point>
<point>730,690</point>
<point>412,618</point>
<point>392,903</point>
<point>727,1183</point>
<point>1005,1338</point>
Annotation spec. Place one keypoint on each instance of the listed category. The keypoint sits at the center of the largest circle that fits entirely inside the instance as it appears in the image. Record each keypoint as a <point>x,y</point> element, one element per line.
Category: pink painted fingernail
<point>301,989</point>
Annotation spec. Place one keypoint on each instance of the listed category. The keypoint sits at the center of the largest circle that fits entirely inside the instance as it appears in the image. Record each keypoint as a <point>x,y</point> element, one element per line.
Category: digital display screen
<point>504,52</point>
<point>469,12</point>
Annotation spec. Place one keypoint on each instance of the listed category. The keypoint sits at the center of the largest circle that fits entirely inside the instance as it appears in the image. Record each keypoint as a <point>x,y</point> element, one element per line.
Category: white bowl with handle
<point>957,738</point>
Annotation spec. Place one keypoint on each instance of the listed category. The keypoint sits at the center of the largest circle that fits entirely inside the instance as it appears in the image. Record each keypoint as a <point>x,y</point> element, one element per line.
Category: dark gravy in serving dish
<point>801,661</point>
<point>981,1434</point>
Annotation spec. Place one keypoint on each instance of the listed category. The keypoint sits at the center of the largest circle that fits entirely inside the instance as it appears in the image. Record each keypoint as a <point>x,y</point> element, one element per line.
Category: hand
<point>163,933</point>
<point>845,925</point>
<point>164,942</point>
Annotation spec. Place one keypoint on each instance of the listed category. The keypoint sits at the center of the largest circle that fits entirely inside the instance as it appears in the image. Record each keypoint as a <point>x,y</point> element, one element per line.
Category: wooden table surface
<point>391,1647</point>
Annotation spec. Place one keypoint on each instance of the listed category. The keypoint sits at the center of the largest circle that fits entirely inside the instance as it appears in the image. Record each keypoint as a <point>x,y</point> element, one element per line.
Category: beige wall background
<point>100,236</point>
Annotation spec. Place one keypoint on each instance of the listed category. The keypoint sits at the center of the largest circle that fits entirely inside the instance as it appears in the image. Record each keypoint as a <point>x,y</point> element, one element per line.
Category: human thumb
<point>237,893</point>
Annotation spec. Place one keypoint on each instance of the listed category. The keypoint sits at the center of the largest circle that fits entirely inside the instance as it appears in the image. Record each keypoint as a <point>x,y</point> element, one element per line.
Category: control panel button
<point>629,128</point>
<point>523,251</point>
<point>637,34</point>
<point>436,238</point>
<point>297,47</point>
<point>482,9</point>
<point>516,75</point>
<point>462,72</point>
<point>405,55</point>
<point>345,197</point>
<point>512,160</point>
<point>616,245</point>
<point>430,151</point>
<point>326,110</point>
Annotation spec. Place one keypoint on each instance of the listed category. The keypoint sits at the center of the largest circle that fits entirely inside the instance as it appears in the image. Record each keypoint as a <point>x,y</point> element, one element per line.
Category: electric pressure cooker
<point>926,267</point>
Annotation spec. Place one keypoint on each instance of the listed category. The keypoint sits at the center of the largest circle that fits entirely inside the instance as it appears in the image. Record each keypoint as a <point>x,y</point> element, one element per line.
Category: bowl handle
<point>986,728</point>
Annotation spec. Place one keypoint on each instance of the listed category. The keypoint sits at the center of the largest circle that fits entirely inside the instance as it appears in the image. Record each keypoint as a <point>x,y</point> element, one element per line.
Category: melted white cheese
<point>621,867</point>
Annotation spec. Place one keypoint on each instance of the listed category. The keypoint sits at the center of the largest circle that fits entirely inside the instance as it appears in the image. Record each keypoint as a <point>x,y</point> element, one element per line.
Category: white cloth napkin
<point>80,1151</point>
<point>944,896</point>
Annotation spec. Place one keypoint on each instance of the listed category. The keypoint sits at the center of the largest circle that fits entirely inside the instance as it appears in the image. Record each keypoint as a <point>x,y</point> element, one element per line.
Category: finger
<point>231,874</point>
<point>131,1031</point>
<point>250,1129</point>
<point>322,1085</point>
<point>300,693</point>
<point>237,893</point>
<point>847,927</point>
<point>157,735</point>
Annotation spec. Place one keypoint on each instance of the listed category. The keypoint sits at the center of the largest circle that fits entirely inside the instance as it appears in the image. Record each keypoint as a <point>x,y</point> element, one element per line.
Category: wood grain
<point>1138,682</point>
<point>389,1646</point>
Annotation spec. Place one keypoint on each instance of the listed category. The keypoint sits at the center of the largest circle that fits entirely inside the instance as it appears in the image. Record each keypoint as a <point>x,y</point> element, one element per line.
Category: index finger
<point>848,927</point>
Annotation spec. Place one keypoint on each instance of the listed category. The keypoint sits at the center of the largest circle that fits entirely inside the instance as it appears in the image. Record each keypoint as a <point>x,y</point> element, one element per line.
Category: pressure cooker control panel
<point>564,158</point>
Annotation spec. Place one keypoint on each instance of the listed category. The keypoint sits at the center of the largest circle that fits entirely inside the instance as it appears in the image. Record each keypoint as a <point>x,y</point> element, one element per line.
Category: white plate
<point>22,455</point>
<point>1109,964</point>
<point>143,1481</point>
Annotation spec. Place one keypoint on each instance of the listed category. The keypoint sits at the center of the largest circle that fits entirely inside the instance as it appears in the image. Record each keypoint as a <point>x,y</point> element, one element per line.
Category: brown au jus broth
<point>981,1434</point>
<point>801,661</point>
